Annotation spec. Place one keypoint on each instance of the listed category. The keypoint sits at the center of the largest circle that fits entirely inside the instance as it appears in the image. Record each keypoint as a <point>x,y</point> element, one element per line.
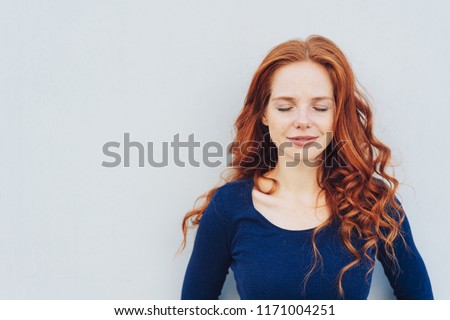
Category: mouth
<point>302,140</point>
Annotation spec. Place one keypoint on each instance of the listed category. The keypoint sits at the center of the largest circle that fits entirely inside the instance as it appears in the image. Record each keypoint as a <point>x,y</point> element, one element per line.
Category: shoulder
<point>233,198</point>
<point>234,190</point>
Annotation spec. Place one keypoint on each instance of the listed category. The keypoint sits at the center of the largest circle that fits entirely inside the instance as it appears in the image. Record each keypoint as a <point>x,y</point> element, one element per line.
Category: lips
<point>302,140</point>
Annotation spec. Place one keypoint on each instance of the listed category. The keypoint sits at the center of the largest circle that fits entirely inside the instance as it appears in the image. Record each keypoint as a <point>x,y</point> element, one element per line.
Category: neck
<point>298,181</point>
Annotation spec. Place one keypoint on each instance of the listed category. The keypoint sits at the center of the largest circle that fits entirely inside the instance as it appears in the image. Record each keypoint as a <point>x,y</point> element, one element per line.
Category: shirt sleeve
<point>211,258</point>
<point>409,279</point>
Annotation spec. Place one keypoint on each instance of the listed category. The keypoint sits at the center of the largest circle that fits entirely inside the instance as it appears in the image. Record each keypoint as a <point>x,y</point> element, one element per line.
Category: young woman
<point>308,206</point>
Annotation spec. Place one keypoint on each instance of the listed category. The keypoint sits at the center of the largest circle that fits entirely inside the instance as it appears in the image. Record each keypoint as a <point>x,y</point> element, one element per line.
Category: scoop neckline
<point>266,221</point>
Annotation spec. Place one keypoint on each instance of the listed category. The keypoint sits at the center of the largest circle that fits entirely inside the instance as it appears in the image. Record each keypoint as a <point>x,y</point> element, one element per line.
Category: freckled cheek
<point>280,129</point>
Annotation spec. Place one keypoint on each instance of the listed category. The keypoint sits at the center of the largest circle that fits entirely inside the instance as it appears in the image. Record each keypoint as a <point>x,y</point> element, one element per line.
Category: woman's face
<point>300,111</point>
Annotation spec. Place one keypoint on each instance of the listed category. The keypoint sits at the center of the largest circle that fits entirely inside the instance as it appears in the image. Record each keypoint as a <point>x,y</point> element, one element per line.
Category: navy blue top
<point>271,263</point>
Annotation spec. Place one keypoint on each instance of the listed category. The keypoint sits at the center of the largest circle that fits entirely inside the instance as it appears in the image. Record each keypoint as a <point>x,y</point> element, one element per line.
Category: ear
<point>264,120</point>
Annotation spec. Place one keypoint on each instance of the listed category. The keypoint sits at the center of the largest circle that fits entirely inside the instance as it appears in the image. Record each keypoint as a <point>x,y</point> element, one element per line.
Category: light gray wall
<point>77,74</point>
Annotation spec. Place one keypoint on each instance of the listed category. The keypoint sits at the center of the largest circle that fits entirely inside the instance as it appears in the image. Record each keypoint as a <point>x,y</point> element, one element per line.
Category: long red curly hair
<point>354,180</point>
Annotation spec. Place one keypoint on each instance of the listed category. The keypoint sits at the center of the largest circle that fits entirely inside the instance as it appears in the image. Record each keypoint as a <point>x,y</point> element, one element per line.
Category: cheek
<point>278,125</point>
<point>326,124</point>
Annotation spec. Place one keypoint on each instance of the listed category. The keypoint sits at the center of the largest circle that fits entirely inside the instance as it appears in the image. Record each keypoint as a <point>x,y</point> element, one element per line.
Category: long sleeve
<point>210,259</point>
<point>411,282</point>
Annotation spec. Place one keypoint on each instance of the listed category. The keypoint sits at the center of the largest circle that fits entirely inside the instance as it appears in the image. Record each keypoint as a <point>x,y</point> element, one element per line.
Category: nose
<point>302,119</point>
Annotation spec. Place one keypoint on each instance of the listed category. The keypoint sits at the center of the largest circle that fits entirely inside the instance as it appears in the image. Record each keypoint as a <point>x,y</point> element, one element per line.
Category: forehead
<point>302,80</point>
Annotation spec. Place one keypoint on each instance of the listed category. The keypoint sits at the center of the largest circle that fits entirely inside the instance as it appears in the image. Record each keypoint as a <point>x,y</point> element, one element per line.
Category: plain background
<point>77,74</point>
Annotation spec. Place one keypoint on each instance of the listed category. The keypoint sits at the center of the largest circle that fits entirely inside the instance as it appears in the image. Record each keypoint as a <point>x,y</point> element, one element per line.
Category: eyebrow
<point>293,99</point>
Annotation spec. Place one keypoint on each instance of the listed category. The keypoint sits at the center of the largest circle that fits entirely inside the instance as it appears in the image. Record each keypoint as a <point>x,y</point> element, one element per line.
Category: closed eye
<point>284,109</point>
<point>320,109</point>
